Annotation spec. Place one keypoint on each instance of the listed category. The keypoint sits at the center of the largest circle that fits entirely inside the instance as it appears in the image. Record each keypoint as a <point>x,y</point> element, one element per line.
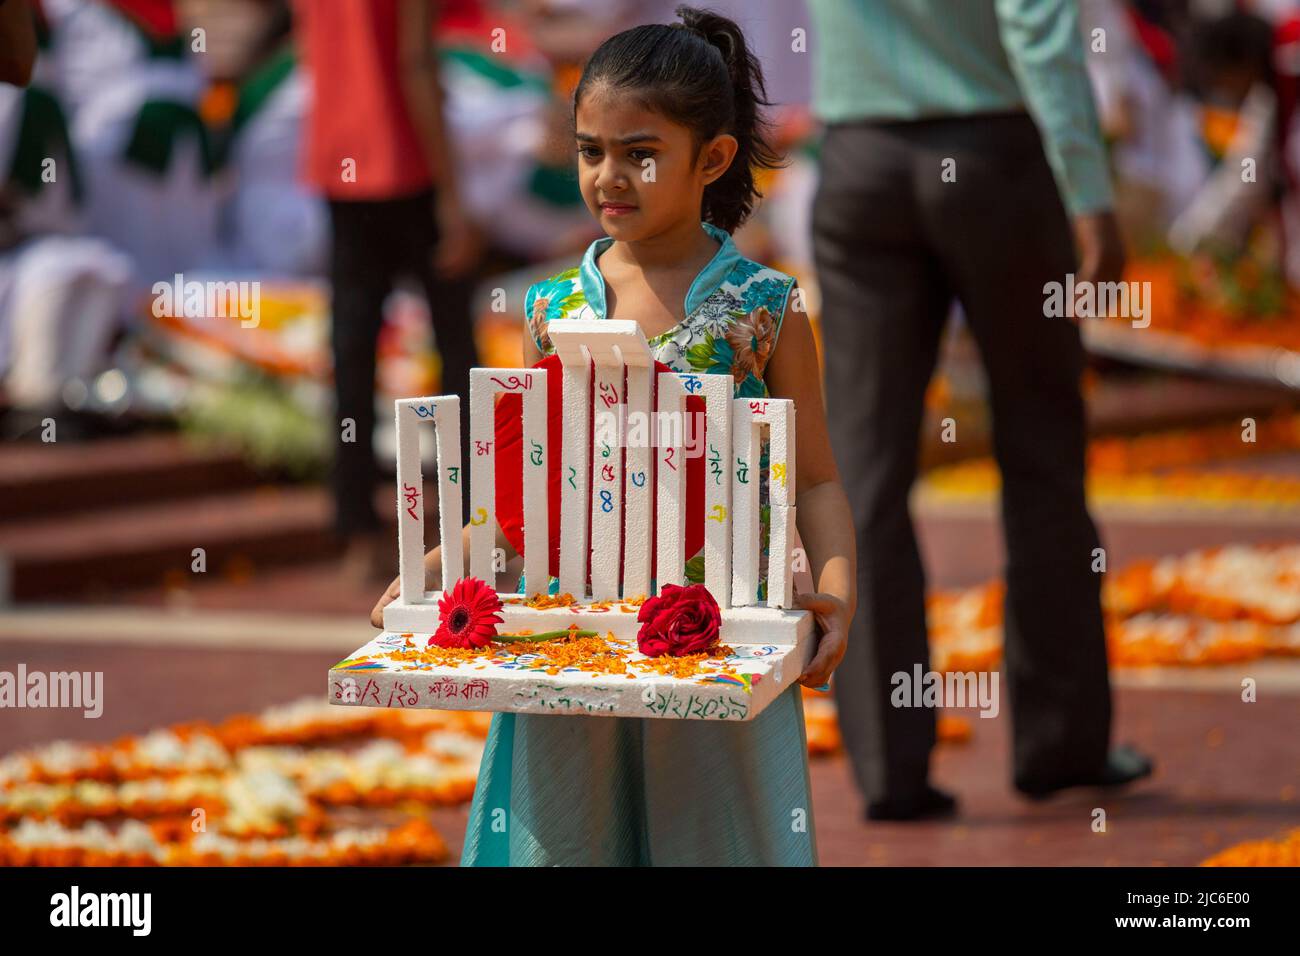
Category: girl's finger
<point>816,681</point>
<point>817,671</point>
<point>830,651</point>
<point>821,604</point>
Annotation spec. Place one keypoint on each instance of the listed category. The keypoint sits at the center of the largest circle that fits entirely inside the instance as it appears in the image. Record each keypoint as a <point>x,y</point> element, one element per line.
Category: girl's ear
<point>716,156</point>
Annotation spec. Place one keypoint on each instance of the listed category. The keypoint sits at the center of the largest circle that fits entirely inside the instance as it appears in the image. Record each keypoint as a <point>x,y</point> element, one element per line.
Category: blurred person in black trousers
<point>378,149</point>
<point>962,159</point>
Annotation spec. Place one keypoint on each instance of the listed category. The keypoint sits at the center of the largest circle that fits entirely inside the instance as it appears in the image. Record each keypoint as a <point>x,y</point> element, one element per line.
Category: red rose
<point>467,615</point>
<point>679,621</point>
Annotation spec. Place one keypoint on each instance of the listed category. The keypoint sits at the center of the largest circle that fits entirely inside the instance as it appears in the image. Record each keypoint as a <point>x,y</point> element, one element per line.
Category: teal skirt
<point>627,791</point>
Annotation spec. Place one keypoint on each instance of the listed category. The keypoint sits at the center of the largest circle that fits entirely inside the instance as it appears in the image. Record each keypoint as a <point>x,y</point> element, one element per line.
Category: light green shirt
<point>919,59</point>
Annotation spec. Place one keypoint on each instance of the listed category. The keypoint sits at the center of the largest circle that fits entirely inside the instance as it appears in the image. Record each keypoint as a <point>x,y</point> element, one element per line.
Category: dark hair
<point>698,73</point>
<point>1235,41</point>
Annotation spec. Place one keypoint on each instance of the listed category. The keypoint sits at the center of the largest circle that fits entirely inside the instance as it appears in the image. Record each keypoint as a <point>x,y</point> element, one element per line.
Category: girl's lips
<point>616,208</point>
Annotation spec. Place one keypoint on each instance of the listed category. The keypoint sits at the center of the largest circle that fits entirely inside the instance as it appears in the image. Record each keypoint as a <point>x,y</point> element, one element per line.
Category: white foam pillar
<point>670,484</point>
<point>749,417</point>
<point>537,524</point>
<point>607,473</point>
<point>443,412</point>
<point>745,541</point>
<point>484,385</point>
<point>575,466</point>
<point>779,415</point>
<point>605,350</point>
<point>637,484</point>
<point>712,440</point>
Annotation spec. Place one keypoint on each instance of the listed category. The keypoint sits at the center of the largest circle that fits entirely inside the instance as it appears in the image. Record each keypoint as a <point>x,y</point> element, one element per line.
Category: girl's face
<point>640,173</point>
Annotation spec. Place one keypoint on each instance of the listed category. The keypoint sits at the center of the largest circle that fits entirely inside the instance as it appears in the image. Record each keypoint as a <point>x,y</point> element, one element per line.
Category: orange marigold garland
<point>271,798</point>
<point>1284,851</point>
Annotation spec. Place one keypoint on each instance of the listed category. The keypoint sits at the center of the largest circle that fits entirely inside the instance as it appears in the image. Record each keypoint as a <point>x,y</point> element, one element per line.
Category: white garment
<point>1228,205</point>
<point>164,224</point>
<point>94,50</point>
<point>104,75</point>
<point>1163,152</point>
<point>61,298</point>
<point>54,208</point>
<point>495,133</point>
<point>278,225</point>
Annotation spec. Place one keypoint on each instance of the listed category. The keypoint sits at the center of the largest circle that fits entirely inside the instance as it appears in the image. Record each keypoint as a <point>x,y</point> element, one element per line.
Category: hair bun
<point>717,31</point>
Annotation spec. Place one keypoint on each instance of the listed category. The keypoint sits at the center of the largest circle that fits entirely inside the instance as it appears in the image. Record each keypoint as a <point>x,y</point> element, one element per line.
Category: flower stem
<point>544,636</point>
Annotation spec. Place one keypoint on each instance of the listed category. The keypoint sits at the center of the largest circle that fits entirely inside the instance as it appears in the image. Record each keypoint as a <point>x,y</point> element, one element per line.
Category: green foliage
<point>700,355</point>
<point>1242,286</point>
<point>264,420</point>
<point>695,569</point>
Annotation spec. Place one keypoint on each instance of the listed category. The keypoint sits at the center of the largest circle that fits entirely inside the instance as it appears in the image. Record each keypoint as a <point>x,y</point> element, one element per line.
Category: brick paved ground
<point>1228,771</point>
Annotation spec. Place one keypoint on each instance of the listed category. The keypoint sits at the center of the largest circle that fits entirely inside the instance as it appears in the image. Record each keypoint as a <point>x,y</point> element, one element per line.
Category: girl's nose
<point>610,178</point>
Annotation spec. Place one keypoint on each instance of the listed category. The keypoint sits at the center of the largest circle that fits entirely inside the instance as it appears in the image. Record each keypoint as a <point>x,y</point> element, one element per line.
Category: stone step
<point>39,480</point>
<point>60,556</point>
<point>90,555</point>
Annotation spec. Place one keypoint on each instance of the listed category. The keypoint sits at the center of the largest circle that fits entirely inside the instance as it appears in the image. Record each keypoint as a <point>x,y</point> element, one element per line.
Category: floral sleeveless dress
<point>620,791</point>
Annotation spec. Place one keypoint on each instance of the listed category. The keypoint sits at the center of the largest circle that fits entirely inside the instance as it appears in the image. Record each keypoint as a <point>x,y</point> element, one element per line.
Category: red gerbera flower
<point>468,615</point>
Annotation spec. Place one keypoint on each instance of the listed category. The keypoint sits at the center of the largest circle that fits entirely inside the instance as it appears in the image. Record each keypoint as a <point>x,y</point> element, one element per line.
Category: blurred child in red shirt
<point>377,148</point>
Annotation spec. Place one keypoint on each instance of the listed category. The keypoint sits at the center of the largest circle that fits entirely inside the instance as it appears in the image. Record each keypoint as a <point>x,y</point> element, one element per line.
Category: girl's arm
<point>823,516</point>
<point>433,572</point>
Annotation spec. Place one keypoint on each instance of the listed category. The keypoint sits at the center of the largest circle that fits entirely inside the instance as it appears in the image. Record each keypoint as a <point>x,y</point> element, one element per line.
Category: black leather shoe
<point>930,804</point>
<point>1124,765</point>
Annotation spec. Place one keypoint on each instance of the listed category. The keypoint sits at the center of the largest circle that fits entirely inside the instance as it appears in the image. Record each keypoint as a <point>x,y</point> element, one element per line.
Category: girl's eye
<point>590,152</point>
<point>641,154</point>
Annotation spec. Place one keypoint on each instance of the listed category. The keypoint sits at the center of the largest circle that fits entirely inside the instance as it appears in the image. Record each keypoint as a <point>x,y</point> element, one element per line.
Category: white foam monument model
<point>769,645</point>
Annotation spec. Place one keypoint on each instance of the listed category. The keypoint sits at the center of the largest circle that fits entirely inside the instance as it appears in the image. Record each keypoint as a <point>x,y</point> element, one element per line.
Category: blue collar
<point>705,284</point>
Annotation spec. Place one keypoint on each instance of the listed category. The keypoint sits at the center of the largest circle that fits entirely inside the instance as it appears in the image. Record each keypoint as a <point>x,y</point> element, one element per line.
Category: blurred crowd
<point>1198,101</point>
<point>163,137</point>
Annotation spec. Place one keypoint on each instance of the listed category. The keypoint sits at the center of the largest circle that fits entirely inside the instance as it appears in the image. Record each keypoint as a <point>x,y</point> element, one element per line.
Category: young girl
<point>668,138</point>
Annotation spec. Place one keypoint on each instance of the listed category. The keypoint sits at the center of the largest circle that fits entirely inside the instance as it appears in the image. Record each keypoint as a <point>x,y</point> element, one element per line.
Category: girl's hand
<point>432,572</point>
<point>833,623</point>
<point>388,597</point>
